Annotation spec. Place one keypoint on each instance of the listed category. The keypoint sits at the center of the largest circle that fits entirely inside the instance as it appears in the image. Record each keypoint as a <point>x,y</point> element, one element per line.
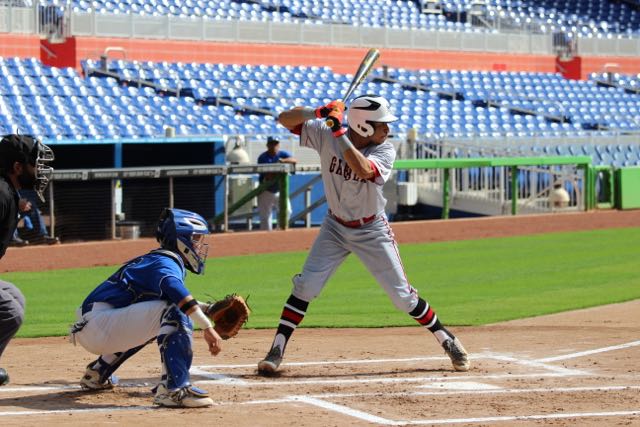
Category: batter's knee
<point>406,303</point>
<point>305,289</point>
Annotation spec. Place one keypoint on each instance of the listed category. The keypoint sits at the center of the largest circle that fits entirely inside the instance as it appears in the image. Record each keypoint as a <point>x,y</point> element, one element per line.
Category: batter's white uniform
<point>356,221</point>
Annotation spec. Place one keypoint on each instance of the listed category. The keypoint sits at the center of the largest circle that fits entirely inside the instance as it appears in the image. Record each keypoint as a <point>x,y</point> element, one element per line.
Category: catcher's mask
<point>27,149</point>
<point>184,232</point>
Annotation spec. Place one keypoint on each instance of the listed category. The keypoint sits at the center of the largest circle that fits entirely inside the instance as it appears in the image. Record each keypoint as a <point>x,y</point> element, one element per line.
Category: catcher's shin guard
<point>177,354</point>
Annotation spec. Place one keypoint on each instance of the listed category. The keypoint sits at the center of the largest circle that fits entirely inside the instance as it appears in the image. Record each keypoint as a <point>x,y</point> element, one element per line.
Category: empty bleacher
<point>585,18</point>
<point>132,99</point>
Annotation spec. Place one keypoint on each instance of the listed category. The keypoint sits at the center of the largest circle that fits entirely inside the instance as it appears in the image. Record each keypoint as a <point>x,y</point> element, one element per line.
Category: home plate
<point>460,385</point>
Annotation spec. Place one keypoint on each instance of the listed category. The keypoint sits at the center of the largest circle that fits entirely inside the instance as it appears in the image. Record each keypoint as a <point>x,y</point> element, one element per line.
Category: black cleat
<point>45,240</point>
<point>457,354</point>
<point>269,365</point>
<point>18,242</point>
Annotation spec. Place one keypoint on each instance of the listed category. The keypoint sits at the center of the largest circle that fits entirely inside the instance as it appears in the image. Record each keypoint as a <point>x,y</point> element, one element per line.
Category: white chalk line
<point>317,400</point>
<point>230,380</point>
<point>583,389</point>
<point>218,378</point>
<point>365,416</point>
<point>283,382</point>
<point>344,381</point>
<point>589,352</point>
<point>536,364</point>
<point>78,411</point>
<point>520,418</point>
<point>551,371</point>
<point>341,409</point>
<point>9,389</point>
<point>340,362</point>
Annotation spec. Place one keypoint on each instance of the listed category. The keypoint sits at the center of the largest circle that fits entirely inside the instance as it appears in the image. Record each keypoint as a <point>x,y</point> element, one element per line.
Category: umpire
<point>22,165</point>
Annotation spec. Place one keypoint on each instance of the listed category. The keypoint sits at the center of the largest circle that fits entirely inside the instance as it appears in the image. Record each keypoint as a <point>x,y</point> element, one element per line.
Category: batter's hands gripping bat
<point>365,66</point>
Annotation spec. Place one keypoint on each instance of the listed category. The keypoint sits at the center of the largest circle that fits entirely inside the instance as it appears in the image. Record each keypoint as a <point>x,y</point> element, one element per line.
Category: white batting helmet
<point>366,110</point>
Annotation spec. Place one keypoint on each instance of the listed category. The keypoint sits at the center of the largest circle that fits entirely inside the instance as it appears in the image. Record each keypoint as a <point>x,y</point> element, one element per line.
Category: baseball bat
<point>366,65</point>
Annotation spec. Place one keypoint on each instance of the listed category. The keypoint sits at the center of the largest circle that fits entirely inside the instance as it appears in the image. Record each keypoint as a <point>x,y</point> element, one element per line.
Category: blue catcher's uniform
<point>158,275</point>
<point>134,306</point>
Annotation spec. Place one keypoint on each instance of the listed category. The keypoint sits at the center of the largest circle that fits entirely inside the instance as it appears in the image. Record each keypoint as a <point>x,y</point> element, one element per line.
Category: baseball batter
<point>355,163</point>
<point>146,300</point>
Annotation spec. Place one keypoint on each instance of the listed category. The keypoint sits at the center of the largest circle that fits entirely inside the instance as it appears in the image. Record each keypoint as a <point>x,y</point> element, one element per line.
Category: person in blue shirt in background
<point>35,229</point>
<point>268,199</point>
<point>146,300</point>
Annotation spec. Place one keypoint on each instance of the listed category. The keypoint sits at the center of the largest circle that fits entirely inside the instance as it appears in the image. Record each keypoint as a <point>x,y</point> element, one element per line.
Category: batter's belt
<point>356,223</point>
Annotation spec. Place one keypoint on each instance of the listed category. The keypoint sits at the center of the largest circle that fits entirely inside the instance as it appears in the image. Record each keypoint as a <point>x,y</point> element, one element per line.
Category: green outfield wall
<point>627,188</point>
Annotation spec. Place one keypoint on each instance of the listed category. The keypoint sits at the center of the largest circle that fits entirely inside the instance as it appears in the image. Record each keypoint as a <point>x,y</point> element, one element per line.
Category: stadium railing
<point>519,185</point>
<point>512,184</point>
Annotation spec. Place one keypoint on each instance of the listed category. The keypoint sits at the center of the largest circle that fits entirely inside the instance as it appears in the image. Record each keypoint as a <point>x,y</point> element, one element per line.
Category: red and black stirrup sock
<point>428,318</point>
<point>292,314</point>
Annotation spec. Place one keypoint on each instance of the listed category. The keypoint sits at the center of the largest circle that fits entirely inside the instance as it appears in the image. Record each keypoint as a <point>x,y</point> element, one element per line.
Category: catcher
<point>146,300</point>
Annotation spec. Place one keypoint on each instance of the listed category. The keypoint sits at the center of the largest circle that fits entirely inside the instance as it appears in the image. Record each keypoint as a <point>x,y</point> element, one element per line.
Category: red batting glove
<point>323,112</point>
<point>334,121</point>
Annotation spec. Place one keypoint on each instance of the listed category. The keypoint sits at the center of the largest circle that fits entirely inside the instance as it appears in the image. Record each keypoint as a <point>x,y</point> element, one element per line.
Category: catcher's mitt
<point>228,315</point>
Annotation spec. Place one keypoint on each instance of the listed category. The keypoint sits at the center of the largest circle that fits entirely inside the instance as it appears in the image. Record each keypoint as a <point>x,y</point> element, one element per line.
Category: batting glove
<point>334,121</point>
<point>324,111</point>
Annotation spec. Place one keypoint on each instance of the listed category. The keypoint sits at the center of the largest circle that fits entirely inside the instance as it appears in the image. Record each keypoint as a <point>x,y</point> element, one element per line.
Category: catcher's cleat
<point>269,365</point>
<point>457,354</point>
<point>185,397</point>
<point>91,380</point>
<point>4,377</point>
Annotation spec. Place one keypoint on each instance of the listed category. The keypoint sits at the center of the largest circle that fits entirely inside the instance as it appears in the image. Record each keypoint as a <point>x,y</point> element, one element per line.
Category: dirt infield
<point>576,368</point>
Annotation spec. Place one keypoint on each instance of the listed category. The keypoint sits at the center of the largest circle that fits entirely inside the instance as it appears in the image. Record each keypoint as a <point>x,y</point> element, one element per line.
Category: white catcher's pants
<point>112,330</point>
<point>267,203</point>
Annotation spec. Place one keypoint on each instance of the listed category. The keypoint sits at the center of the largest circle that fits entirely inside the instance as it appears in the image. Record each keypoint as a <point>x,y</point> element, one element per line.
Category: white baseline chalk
<point>589,352</point>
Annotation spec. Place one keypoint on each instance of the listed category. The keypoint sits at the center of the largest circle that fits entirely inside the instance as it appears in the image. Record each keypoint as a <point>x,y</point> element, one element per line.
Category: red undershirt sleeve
<point>296,130</point>
<point>376,172</point>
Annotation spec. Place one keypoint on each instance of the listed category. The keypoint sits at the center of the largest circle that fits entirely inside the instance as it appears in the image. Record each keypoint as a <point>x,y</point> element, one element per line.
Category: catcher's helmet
<point>366,110</point>
<point>27,149</point>
<point>184,232</point>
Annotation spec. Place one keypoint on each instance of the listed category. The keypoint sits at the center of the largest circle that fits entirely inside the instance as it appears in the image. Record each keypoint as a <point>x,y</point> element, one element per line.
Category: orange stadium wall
<point>23,46</point>
<point>595,64</point>
<point>340,59</point>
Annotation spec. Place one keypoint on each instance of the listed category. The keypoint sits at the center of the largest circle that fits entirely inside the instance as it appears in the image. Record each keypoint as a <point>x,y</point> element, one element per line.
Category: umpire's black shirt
<point>8,213</point>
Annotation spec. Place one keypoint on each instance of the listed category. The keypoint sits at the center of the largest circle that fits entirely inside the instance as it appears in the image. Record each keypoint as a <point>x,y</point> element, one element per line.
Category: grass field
<point>469,282</point>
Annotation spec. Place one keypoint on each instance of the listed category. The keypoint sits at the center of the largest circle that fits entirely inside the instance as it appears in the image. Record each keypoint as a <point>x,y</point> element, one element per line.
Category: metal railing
<point>505,36</point>
<point>115,175</point>
<point>502,185</point>
<point>53,20</point>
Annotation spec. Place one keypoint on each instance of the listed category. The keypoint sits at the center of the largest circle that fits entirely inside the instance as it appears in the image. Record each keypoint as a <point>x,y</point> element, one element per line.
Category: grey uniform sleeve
<point>311,135</point>
<point>383,157</point>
